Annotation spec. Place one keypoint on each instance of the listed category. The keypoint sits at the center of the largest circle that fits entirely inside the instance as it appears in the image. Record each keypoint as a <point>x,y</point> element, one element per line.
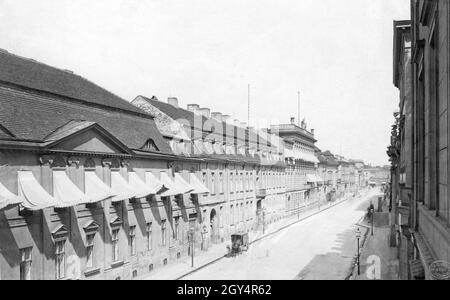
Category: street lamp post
<point>358,237</point>
<point>191,235</point>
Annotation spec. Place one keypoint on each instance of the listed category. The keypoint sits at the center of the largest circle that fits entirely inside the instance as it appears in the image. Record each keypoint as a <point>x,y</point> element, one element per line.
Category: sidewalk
<point>376,249</point>
<point>218,251</point>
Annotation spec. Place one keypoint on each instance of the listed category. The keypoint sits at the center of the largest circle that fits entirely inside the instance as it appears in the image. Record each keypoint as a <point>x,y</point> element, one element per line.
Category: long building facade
<point>419,147</point>
<point>95,187</point>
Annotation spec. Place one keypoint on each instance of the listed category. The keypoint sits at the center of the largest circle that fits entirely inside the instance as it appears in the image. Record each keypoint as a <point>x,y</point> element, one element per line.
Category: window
<point>115,245</point>
<point>149,236</point>
<point>213,183</point>
<point>232,214</point>
<point>60,254</point>
<point>247,182</point>
<point>204,179</point>
<point>90,250</point>
<point>231,183</point>
<point>248,213</point>
<point>163,232</point>
<point>221,183</point>
<point>25,263</point>
<point>176,232</point>
<point>242,182</point>
<point>132,240</point>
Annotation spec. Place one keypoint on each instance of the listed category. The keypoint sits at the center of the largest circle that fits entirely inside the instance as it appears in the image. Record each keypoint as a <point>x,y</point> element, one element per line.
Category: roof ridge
<point>74,122</point>
<point>40,76</point>
<point>37,61</point>
<point>6,131</point>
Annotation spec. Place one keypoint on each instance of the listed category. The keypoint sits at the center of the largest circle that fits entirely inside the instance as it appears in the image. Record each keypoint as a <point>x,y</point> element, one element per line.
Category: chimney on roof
<point>206,112</point>
<point>312,131</point>
<point>217,115</point>
<point>193,107</point>
<point>227,119</point>
<point>293,120</point>
<point>172,101</point>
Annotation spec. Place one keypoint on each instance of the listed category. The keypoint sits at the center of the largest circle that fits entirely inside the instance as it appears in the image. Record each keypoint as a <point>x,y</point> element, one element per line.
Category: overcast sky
<point>337,53</point>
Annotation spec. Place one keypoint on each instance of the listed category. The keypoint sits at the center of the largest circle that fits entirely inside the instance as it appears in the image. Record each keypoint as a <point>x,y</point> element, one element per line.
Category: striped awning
<point>199,187</point>
<point>153,182</point>
<point>122,188</point>
<point>182,184</point>
<point>318,178</point>
<point>95,188</point>
<point>142,189</point>
<point>35,196</point>
<point>66,192</point>
<point>171,188</point>
<point>311,178</point>
<point>7,198</point>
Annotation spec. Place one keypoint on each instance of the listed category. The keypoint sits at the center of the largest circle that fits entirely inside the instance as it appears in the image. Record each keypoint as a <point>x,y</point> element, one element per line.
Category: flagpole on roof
<point>248,108</point>
<point>298,121</point>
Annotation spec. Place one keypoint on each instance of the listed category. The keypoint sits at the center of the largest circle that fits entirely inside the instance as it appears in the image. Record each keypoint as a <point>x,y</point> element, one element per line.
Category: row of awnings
<point>32,196</point>
<point>296,154</point>
<point>312,178</point>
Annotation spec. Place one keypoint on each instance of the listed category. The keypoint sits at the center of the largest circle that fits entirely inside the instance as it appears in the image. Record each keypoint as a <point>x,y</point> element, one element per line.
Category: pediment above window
<point>116,222</point>
<point>91,227</point>
<point>60,233</point>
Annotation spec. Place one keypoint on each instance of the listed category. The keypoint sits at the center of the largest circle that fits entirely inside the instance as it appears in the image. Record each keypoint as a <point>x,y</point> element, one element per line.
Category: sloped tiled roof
<point>199,121</point>
<point>34,117</point>
<point>38,76</point>
<point>322,159</point>
<point>175,113</point>
<point>68,129</point>
<point>4,133</point>
<point>331,160</point>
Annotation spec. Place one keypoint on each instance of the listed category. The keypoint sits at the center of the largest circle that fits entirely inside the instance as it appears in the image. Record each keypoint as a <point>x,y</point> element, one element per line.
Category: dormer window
<point>150,146</point>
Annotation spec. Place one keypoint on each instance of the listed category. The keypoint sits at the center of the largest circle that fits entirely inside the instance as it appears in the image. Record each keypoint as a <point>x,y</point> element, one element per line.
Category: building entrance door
<point>213,224</point>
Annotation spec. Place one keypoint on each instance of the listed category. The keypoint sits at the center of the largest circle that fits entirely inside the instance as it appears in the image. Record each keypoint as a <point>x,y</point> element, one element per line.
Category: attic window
<point>150,146</point>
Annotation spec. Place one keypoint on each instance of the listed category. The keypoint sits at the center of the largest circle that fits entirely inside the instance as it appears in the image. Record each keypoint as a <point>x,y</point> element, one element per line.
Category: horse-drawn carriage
<point>239,243</point>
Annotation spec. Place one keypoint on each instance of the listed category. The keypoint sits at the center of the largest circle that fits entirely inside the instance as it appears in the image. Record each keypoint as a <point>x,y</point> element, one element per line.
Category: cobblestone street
<point>294,254</point>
